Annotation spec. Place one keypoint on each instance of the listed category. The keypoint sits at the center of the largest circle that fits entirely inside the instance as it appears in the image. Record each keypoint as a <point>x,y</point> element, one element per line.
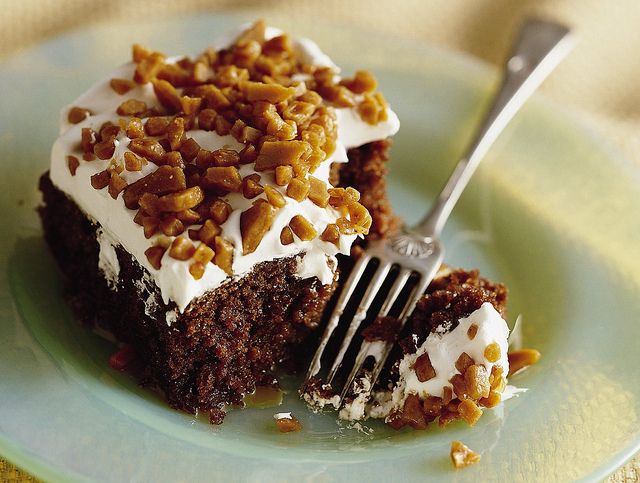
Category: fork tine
<point>366,346</point>
<point>377,279</point>
<point>345,295</point>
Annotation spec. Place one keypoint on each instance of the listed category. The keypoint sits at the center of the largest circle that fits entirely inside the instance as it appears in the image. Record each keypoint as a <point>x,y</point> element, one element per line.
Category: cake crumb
<point>463,456</point>
<point>287,423</point>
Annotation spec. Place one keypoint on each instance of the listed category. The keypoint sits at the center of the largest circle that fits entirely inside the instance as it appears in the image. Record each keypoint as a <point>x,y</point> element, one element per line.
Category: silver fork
<point>418,250</point>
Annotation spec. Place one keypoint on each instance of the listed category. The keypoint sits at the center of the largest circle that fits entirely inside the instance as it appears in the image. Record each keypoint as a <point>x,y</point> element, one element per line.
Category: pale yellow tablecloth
<point>598,79</point>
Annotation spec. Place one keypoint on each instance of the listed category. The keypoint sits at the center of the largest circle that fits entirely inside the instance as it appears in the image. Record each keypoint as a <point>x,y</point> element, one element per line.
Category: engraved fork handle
<point>539,49</point>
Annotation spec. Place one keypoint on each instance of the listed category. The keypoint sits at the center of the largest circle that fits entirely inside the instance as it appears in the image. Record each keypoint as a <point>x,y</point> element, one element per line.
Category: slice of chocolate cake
<point>196,206</point>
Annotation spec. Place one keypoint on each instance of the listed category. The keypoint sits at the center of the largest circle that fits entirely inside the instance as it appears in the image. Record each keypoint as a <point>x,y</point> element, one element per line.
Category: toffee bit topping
<point>132,107</point>
<point>72,164</point>
<point>492,352</point>
<point>274,197</point>
<point>462,456</point>
<point>286,236</point>
<point>288,425</point>
<point>116,184</point>
<point>224,254</point>
<point>331,234</point>
<point>303,228</point>
<point>100,180</point>
<point>122,86</point>
<point>164,180</point>
<point>254,224</point>
<point>464,362</point>
<point>298,189</point>
<point>284,175</point>
<point>423,368</point>
<point>154,255</point>
<point>521,359</point>
<point>78,114</point>
<point>472,331</point>
<point>181,249</point>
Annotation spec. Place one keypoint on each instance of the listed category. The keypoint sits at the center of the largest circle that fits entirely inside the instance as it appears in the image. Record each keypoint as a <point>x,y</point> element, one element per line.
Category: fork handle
<point>540,48</point>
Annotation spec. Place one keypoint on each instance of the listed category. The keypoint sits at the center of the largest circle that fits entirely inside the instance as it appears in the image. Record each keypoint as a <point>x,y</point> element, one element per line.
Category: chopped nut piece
<point>208,232</point>
<point>472,331</point>
<point>476,380</point>
<point>101,180</point>
<point>181,200</point>
<point>132,107</point>
<point>274,197</point>
<point>225,157</point>
<point>148,148</point>
<point>167,95</point>
<point>298,189</point>
<point>255,222</point>
<point>251,186</point>
<point>116,184</point>
<point>171,226</point>
<point>423,368</point>
<point>135,129</point>
<point>492,352</point>
<point>165,179</point>
<point>223,178</point>
<point>154,255</point>
<point>224,254</point>
<point>521,359</point>
<point>175,133</point>
<point>302,228</point>
<point>469,411</point>
<point>331,234</point>
<point>203,254</point>
<point>148,67</point>
<point>78,114</point>
<point>72,164</point>
<point>181,249</point>
<point>282,153</point>
<point>318,192</point>
<point>464,362</point>
<point>104,149</point>
<point>286,236</point>
<point>121,86</point>
<point>362,82</point>
<point>284,174</point>
<point>220,211</point>
<point>462,456</point>
<point>288,425</point>
<point>157,125</point>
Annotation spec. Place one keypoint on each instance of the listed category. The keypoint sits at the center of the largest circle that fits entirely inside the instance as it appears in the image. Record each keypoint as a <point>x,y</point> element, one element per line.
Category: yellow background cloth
<point>598,79</point>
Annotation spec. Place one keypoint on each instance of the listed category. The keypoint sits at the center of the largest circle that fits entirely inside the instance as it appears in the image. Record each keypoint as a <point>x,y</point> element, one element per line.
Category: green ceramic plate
<point>553,213</point>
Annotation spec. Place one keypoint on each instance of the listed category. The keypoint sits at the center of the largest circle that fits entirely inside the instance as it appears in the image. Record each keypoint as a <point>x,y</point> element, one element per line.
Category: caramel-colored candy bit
<point>175,133</point>
<point>214,97</point>
<point>200,73</point>
<point>150,226</point>
<point>299,112</point>
<point>362,82</point>
<point>255,32</point>
<point>189,149</point>
<point>360,217</point>
<point>190,105</point>
<point>221,126</point>
<point>148,204</point>
<point>147,148</point>
<point>447,395</point>
<point>249,135</point>
<point>464,362</point>
<point>284,175</point>
<point>312,97</point>
<point>273,93</point>
<point>157,125</point>
<point>165,179</point>
<point>255,222</point>
<point>132,107</point>
<point>171,226</point>
<point>223,178</point>
<point>373,108</point>
<point>245,53</point>
<point>72,164</point>
<point>318,192</point>
<point>175,74</point>
<point>411,414</point>
<point>220,211</point>
<point>172,158</point>
<point>188,216</point>
<point>288,425</point>
<point>101,180</point>
<point>496,379</point>
<point>181,249</point>
<point>338,95</point>
<point>167,95</point>
<point>331,234</point>
<point>282,153</point>
<point>230,75</point>
<point>469,411</point>
<point>522,358</point>
<point>225,157</point>
<point>108,131</point>
<point>139,53</point>
<point>298,189</point>
<point>148,68</point>
<point>462,456</point>
<point>206,119</point>
<point>492,400</point>
<point>277,45</point>
<point>196,269</point>
<point>203,254</point>
<point>343,196</point>
<point>423,368</point>
<point>87,139</point>
<point>78,114</point>
<point>476,380</point>
<point>181,200</point>
<point>459,386</point>
<point>224,254</point>
<point>492,352</point>
<point>116,184</point>
<point>135,129</point>
<point>251,186</point>
<point>121,86</point>
<point>154,255</point>
<point>303,228</point>
<point>208,232</point>
<point>286,236</point>
<point>274,197</point>
<point>104,149</point>
<point>472,331</point>
<point>432,405</point>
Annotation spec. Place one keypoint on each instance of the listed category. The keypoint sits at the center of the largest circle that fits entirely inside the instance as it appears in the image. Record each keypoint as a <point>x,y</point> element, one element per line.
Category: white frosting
<point>173,278</point>
<point>107,258</point>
